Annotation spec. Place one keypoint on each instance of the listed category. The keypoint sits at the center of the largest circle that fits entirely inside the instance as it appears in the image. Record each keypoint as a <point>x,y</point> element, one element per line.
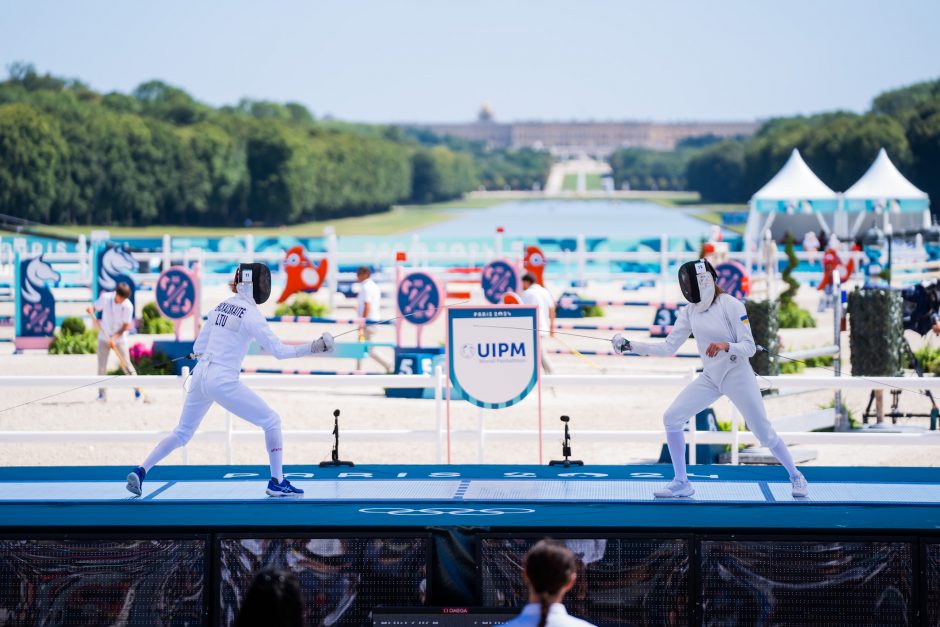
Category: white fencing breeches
<point>741,388</point>
<point>213,384</point>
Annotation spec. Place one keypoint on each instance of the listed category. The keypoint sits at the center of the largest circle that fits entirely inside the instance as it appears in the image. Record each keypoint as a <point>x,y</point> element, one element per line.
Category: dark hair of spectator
<point>123,290</point>
<point>528,276</point>
<point>273,600</point>
<point>364,270</point>
<point>549,566</point>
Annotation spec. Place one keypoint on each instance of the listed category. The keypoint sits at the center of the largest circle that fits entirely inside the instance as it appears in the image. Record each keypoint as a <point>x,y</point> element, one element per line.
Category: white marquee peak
<point>883,181</point>
<point>795,181</point>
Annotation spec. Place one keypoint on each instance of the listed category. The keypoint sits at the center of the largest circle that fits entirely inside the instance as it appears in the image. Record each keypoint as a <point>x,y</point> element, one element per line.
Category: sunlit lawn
<point>399,219</point>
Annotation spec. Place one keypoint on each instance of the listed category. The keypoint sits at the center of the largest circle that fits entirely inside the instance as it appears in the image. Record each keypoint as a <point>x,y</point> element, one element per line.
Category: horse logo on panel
<point>36,304</point>
<point>302,275</point>
<point>114,265</point>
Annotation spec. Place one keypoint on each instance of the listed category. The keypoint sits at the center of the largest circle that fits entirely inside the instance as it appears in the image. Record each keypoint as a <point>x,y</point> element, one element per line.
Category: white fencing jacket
<point>231,326</point>
<point>725,321</point>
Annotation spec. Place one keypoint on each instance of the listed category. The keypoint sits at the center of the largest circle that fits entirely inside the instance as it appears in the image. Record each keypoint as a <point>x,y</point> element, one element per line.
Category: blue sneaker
<point>135,480</point>
<point>283,488</point>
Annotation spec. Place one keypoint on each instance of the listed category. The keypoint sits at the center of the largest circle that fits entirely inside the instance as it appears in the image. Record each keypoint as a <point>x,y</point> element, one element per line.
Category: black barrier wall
<point>96,580</point>
<point>621,581</point>
<point>342,579</point>
<point>624,579</point>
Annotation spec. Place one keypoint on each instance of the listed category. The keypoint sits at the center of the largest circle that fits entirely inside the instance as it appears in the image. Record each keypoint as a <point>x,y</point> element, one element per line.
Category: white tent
<point>795,191</point>
<point>883,191</point>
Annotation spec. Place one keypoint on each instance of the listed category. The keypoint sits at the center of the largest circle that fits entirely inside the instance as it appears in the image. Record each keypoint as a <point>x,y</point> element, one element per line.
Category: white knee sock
<point>782,453</point>
<point>675,440</point>
<point>275,444</point>
<point>166,446</point>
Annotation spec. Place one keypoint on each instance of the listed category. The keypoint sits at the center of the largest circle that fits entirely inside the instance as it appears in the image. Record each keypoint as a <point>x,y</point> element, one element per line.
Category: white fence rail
<point>580,264</point>
<point>436,429</point>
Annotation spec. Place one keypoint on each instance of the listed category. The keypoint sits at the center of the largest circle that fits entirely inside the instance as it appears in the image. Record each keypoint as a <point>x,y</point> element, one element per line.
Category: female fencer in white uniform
<point>723,334</point>
<point>220,348</point>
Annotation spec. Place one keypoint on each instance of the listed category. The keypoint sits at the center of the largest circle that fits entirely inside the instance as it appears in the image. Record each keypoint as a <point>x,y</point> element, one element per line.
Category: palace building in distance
<point>596,139</point>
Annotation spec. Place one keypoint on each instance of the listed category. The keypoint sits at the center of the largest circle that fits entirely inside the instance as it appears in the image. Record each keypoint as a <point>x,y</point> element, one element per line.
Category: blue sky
<point>437,60</point>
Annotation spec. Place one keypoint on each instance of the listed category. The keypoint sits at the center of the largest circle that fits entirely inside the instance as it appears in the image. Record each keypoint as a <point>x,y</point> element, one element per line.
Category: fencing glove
<point>621,344</point>
<point>323,344</point>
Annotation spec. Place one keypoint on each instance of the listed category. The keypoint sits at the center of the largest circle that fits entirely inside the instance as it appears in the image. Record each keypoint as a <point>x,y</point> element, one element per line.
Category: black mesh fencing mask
<point>258,275</point>
<point>697,282</point>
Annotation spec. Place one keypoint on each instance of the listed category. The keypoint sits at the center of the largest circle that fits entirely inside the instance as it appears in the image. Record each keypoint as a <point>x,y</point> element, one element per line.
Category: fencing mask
<point>258,277</point>
<point>697,282</point>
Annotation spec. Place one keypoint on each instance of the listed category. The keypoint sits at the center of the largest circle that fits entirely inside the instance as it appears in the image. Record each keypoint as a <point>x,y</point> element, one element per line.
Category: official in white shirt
<point>550,570</point>
<point>117,316</point>
<point>368,310</point>
<point>537,295</point>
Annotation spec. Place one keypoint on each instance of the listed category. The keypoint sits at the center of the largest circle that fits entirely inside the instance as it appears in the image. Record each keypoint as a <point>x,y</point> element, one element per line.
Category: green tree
<point>769,149</point>
<point>717,173</point>
<point>281,166</point>
<point>440,174</point>
<point>25,74</point>
<point>904,103</point>
<point>221,158</point>
<point>650,169</point>
<point>30,150</point>
<point>168,103</point>
<point>923,135</point>
<point>842,147</point>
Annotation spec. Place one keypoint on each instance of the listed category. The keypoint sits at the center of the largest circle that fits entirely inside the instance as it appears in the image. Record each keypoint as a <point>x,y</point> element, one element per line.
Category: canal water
<point>613,219</point>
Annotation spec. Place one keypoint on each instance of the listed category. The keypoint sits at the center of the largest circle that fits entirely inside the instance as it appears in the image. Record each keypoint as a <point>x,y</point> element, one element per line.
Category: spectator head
<point>528,279</point>
<point>363,273</point>
<point>273,600</point>
<point>122,293</point>
<point>550,569</point>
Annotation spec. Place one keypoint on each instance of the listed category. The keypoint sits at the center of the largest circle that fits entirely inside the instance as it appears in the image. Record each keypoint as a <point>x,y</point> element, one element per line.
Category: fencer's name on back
<point>231,310</point>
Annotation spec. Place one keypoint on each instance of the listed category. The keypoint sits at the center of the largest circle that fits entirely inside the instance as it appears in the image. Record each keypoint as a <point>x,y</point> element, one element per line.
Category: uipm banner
<point>492,353</point>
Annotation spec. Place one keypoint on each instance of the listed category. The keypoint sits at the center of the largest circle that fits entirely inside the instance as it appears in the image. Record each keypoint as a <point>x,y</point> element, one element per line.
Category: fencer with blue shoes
<point>221,347</point>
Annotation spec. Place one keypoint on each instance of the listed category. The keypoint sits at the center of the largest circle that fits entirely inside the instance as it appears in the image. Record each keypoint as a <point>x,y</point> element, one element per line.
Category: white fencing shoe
<point>675,489</point>
<point>800,487</point>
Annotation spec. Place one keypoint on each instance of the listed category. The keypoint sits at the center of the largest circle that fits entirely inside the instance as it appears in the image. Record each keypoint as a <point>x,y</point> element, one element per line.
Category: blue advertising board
<point>176,293</point>
<point>498,278</point>
<point>419,298</point>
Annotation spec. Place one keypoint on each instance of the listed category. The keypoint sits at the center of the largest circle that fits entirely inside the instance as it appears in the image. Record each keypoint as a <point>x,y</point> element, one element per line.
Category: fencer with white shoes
<point>220,348</point>
<point>722,332</point>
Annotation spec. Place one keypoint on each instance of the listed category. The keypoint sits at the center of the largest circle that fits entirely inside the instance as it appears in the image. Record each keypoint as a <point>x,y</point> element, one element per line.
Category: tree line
<point>664,170</point>
<point>838,146</point>
<point>70,155</point>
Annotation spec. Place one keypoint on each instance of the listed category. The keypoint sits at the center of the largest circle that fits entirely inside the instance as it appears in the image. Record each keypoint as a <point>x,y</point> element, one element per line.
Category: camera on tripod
<point>921,306</point>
